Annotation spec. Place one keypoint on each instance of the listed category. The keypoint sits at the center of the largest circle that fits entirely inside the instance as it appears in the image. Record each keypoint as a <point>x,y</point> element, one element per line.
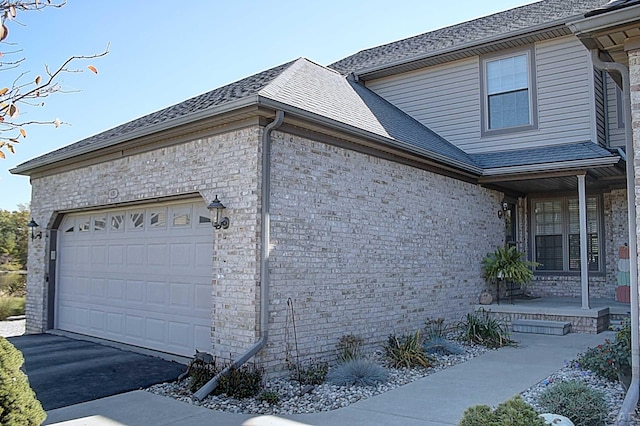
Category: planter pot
<point>623,294</point>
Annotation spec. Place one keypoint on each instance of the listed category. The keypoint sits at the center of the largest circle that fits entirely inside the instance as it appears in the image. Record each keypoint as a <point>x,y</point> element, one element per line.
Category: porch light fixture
<point>505,207</point>
<point>33,225</point>
<point>215,210</point>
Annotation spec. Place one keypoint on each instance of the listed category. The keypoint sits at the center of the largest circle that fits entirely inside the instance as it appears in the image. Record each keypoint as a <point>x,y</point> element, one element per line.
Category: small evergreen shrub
<point>349,348</point>
<point>513,412</point>
<point>18,403</point>
<point>244,382</point>
<point>406,352</point>
<point>485,330</point>
<point>200,372</point>
<point>583,405</point>
<point>310,373</point>
<point>358,372</point>
<point>441,346</point>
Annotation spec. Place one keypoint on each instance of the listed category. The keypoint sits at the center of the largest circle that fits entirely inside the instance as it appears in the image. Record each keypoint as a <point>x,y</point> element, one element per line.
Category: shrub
<point>349,348</point>
<point>513,412</point>
<point>442,346</point>
<point>610,360</point>
<point>583,405</point>
<point>18,403</point>
<point>10,306</point>
<point>13,284</point>
<point>244,382</point>
<point>358,372</point>
<point>200,372</point>
<point>435,328</point>
<point>406,352</point>
<point>310,373</point>
<point>485,330</point>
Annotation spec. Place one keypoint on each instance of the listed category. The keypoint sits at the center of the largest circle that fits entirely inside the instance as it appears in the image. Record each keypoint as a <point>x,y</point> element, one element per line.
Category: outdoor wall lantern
<point>215,210</point>
<point>33,225</point>
<point>505,207</point>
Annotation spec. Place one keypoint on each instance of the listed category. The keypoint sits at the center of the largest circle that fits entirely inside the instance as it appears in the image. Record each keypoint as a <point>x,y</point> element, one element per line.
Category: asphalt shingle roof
<point>476,30</point>
<point>612,5</point>
<point>542,155</point>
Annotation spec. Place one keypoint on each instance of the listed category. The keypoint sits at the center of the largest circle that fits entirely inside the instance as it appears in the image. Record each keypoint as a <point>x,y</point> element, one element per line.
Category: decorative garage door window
<point>138,275</point>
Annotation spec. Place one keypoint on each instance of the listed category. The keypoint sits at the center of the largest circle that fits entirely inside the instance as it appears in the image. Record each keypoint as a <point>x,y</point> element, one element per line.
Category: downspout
<point>208,387</point>
<point>631,399</point>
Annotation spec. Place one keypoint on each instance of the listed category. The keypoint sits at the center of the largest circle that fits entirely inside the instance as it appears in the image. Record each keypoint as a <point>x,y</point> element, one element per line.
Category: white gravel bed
<point>613,391</point>
<point>327,397</point>
<point>323,397</point>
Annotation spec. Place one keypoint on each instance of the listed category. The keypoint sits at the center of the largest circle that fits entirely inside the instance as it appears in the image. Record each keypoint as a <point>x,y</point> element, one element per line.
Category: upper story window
<point>508,93</point>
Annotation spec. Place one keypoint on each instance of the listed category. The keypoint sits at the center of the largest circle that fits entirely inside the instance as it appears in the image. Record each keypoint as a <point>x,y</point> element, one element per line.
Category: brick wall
<point>359,244</point>
<point>367,246</point>
<point>225,164</point>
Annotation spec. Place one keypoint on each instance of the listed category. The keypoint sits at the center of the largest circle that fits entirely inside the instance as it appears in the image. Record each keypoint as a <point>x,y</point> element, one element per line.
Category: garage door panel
<point>139,276</point>
<point>135,291</point>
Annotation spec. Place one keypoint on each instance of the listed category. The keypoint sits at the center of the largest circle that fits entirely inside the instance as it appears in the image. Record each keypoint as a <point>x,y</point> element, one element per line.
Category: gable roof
<point>301,88</point>
<point>513,22</point>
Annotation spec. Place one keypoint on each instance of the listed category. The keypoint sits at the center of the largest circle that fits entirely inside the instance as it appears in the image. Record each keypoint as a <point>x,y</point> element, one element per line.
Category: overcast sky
<point>164,52</point>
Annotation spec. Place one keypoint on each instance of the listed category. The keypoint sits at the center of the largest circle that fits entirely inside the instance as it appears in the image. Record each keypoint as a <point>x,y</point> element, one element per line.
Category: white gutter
<point>208,387</point>
<point>631,399</point>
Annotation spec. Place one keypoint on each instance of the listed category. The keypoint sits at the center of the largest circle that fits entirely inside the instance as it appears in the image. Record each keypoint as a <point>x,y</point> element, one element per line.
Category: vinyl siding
<point>446,98</point>
<point>616,131</point>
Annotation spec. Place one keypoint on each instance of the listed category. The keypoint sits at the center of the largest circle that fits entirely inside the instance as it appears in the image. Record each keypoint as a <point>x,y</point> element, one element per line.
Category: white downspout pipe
<point>208,387</point>
<point>631,399</point>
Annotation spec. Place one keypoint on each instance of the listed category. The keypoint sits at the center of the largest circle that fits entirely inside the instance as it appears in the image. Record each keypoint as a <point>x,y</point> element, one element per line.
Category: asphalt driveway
<point>64,371</point>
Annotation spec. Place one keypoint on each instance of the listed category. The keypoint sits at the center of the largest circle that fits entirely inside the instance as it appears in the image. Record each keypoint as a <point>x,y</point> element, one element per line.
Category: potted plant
<point>507,264</point>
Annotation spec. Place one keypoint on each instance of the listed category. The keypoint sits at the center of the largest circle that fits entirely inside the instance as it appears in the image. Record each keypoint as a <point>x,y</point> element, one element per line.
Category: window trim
<point>565,235</point>
<point>485,131</point>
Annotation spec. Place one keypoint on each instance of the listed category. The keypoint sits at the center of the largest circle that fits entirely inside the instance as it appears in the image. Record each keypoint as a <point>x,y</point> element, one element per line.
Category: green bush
<point>612,359</point>
<point>13,284</point>
<point>309,373</point>
<point>18,403</point>
<point>513,412</point>
<point>10,306</point>
<point>349,348</point>
<point>358,372</point>
<point>270,397</point>
<point>583,405</point>
<point>482,329</point>
<point>244,382</point>
<point>406,352</point>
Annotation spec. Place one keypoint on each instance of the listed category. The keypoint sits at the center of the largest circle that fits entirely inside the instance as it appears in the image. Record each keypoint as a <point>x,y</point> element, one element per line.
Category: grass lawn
<point>10,306</point>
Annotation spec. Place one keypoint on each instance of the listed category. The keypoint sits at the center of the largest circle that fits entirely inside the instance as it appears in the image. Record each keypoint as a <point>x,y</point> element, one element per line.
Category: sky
<point>163,52</point>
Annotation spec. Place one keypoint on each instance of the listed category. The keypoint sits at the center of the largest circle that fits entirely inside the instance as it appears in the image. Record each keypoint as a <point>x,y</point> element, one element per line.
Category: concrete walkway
<point>436,400</point>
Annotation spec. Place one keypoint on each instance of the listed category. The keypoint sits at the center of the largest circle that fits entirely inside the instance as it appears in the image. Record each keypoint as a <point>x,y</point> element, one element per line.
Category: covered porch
<point>601,314</point>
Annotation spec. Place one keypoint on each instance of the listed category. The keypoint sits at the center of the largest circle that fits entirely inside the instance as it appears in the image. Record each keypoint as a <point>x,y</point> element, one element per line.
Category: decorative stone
<point>486,298</point>
<point>556,420</point>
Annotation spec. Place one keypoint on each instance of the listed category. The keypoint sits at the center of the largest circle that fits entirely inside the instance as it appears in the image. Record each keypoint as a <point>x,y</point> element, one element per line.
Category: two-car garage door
<point>140,276</point>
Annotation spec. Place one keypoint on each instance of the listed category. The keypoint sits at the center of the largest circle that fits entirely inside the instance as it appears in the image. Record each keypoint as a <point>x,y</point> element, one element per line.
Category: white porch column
<point>584,263</point>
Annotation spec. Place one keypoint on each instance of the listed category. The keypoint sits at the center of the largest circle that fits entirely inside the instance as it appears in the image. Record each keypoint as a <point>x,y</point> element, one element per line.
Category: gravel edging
<point>323,397</point>
<point>327,397</point>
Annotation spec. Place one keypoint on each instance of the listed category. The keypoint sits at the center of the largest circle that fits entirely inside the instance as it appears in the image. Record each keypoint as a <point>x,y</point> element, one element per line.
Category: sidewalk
<point>436,400</point>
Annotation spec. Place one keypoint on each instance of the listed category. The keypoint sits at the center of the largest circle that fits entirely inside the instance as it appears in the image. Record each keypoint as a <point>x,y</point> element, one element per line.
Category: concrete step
<point>559,328</point>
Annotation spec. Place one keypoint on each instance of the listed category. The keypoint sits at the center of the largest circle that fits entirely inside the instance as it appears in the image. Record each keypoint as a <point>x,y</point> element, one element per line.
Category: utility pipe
<point>208,387</point>
<point>631,399</point>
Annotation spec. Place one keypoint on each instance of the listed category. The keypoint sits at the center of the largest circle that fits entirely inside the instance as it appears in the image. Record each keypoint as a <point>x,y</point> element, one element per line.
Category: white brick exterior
<point>360,244</point>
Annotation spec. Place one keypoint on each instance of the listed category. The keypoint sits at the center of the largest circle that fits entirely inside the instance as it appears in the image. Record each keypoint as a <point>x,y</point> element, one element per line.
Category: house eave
<point>550,167</point>
<point>518,38</point>
<point>251,105</point>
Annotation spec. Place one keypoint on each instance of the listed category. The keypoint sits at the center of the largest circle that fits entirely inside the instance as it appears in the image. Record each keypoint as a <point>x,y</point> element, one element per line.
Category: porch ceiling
<point>597,179</point>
